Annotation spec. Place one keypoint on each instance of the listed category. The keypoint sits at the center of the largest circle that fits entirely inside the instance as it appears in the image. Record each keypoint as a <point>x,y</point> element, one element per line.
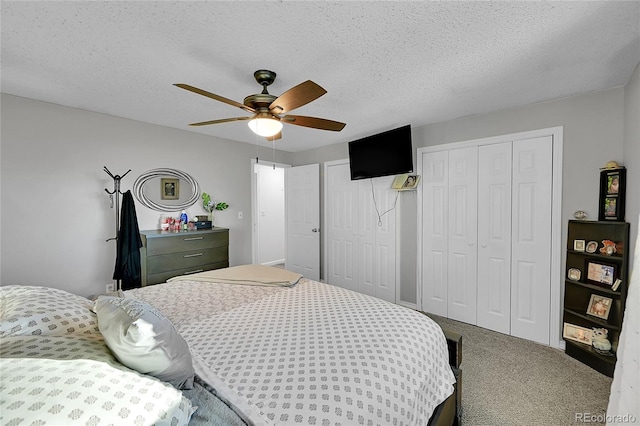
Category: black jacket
<point>129,243</point>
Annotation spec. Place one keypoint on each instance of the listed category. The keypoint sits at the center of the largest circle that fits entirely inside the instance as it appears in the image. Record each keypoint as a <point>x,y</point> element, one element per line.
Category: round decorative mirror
<point>166,190</point>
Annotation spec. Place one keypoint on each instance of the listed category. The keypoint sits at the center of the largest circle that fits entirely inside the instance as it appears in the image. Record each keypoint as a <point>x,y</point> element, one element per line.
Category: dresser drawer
<point>186,259</point>
<point>164,276</point>
<point>165,255</point>
<point>186,242</point>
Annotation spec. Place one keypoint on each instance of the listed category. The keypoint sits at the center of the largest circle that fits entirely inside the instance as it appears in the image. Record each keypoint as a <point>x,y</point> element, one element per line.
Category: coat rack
<point>117,193</point>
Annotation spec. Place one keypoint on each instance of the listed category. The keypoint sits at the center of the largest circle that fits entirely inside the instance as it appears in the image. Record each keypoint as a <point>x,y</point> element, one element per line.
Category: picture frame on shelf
<point>612,194</point>
<point>405,182</point>
<point>578,245</point>
<point>574,274</point>
<point>600,273</point>
<point>599,306</point>
<point>591,247</point>
<point>577,333</point>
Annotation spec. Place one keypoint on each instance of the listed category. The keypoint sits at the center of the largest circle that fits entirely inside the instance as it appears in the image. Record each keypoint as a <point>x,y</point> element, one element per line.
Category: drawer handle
<point>193,272</point>
<point>193,238</point>
<point>193,255</point>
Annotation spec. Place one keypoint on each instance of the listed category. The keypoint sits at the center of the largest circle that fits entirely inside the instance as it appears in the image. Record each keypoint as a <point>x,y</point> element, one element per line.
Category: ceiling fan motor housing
<point>260,101</point>
<point>264,77</point>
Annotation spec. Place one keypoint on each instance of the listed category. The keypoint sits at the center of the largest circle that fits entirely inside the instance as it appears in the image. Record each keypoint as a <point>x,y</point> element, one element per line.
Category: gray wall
<point>632,153</point>
<point>55,215</point>
<point>55,212</point>
<point>593,135</point>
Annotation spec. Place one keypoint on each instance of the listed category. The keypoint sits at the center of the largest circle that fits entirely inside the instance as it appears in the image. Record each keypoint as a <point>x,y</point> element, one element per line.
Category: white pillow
<point>82,392</point>
<point>145,340</point>
<point>32,310</point>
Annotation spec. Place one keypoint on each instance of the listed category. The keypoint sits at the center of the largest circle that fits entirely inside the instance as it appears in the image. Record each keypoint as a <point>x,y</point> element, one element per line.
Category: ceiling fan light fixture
<point>265,127</point>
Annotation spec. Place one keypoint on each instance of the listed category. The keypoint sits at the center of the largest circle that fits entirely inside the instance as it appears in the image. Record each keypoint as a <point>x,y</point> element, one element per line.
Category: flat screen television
<point>384,154</point>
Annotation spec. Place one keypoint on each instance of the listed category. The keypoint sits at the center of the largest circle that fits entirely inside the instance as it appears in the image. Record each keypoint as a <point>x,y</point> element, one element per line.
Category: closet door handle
<point>192,255</point>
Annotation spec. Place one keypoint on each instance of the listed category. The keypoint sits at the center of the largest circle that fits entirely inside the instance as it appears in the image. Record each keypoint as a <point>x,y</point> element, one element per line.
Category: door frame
<point>254,204</point>
<point>557,276</point>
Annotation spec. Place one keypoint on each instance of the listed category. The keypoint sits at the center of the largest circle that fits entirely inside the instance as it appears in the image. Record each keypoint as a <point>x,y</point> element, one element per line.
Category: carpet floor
<point>511,381</point>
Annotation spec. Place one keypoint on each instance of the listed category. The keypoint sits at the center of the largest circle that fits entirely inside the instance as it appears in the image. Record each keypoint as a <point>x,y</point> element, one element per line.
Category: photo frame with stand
<point>600,273</point>
<point>612,194</point>
<point>405,182</point>
<point>599,306</point>
<point>577,333</point>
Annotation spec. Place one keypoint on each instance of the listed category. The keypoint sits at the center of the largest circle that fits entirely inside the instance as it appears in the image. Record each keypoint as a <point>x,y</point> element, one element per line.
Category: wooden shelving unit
<point>578,293</point>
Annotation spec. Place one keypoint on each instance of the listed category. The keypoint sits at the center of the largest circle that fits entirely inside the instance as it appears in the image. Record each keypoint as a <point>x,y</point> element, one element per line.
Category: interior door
<point>531,239</point>
<point>433,270</point>
<point>463,234</point>
<point>341,226</point>
<point>302,198</point>
<point>377,257</point>
<point>494,237</point>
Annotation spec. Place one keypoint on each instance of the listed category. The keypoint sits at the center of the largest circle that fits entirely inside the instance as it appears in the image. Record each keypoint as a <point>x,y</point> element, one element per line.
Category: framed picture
<point>577,333</point>
<point>169,188</point>
<point>612,194</point>
<point>574,274</point>
<point>613,183</point>
<point>578,245</point>
<point>599,306</point>
<point>600,273</point>
<point>405,182</point>
<point>592,246</point>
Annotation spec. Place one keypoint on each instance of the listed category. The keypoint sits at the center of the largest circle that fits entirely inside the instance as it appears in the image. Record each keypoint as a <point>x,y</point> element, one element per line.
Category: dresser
<point>168,254</point>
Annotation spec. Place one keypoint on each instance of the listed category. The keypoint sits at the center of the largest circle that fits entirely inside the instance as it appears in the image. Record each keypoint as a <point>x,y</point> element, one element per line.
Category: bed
<point>270,347</point>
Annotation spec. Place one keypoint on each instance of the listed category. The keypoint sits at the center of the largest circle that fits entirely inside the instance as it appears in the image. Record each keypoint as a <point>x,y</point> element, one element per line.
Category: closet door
<point>341,223</point>
<point>377,232</point>
<point>494,237</point>
<point>463,234</point>
<point>434,208</point>
<point>531,239</point>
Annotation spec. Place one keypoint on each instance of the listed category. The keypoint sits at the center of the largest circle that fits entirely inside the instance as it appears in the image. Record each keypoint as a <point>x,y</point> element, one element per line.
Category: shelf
<point>594,287</point>
<point>580,294</point>
<point>615,258</point>
<point>589,350</point>
<point>595,320</point>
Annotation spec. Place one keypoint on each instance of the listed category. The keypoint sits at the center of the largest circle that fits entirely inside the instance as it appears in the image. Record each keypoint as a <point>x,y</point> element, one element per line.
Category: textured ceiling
<point>384,64</point>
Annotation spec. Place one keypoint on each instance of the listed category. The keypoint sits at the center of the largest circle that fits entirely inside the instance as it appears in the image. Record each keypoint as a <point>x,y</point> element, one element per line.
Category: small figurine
<point>580,215</point>
<point>608,247</point>
<point>600,341</point>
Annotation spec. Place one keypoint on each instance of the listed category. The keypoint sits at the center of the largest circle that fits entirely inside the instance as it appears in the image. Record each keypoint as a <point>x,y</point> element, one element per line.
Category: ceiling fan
<point>269,111</point>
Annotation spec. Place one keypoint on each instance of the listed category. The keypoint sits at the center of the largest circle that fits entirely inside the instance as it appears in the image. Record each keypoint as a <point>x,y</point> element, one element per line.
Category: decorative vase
<point>210,217</point>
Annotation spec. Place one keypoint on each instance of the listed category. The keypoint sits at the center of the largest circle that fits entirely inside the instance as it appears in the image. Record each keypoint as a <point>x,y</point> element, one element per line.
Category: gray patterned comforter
<point>313,354</point>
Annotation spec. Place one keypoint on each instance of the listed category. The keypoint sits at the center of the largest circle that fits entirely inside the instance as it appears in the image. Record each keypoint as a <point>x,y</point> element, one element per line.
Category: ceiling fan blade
<point>297,96</point>
<point>274,137</point>
<point>223,120</point>
<point>214,96</point>
<point>314,122</point>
